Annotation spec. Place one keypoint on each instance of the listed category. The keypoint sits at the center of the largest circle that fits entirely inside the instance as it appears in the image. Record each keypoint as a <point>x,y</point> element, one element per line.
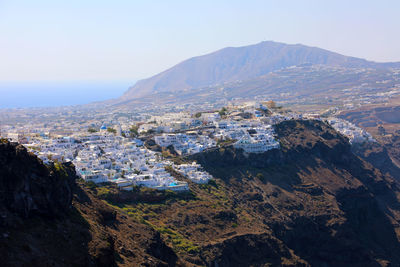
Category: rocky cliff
<point>28,187</point>
<point>379,156</point>
<point>49,220</point>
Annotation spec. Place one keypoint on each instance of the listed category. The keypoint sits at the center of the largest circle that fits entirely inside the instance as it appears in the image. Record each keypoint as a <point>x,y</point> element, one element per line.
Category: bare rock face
<point>28,187</point>
<point>379,156</point>
<point>249,249</point>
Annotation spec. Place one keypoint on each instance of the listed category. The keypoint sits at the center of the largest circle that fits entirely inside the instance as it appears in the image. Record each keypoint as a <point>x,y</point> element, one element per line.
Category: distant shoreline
<point>54,94</point>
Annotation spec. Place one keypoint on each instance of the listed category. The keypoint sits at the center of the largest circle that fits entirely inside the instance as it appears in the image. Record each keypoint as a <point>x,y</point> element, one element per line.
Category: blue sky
<point>127,40</point>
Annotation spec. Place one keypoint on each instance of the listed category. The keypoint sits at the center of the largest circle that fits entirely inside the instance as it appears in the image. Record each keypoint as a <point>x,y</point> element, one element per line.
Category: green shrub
<point>59,168</point>
<point>179,242</point>
<point>111,130</point>
<point>261,177</point>
<point>91,185</point>
<point>103,192</point>
<point>223,111</point>
<point>134,130</point>
<point>212,182</point>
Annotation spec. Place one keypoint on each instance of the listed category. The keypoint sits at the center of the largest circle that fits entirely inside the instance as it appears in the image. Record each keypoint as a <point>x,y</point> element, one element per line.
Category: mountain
<point>311,203</point>
<point>241,63</point>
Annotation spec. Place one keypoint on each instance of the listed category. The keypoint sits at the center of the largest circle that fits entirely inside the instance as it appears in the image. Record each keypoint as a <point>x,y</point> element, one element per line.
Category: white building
<point>252,145</point>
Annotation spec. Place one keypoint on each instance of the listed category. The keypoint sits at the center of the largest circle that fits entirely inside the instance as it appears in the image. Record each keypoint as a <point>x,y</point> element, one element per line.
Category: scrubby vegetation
<point>223,111</point>
<point>178,241</point>
<point>111,130</point>
<point>60,169</point>
<point>225,142</point>
<point>134,130</point>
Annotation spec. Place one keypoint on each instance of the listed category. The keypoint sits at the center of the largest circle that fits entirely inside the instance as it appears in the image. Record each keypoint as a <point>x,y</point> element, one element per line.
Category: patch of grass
<point>59,169</point>
<point>212,182</point>
<point>219,194</point>
<point>178,241</point>
<point>145,213</point>
<point>103,192</point>
<point>90,185</point>
<point>225,143</point>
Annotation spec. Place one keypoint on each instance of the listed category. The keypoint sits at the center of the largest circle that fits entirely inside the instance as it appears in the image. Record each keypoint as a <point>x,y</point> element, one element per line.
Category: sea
<point>61,93</point>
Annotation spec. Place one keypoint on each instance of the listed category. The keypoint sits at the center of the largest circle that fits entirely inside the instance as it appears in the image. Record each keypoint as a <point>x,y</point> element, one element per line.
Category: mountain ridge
<point>241,63</point>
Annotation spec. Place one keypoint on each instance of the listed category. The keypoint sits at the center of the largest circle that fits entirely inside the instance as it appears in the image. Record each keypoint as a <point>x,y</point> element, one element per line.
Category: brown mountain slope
<point>241,63</point>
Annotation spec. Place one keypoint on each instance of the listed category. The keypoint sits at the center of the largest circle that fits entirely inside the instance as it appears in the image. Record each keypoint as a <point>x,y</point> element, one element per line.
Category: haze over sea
<point>58,93</point>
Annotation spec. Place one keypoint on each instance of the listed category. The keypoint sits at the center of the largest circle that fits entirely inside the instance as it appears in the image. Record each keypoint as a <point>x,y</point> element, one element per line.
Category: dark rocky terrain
<point>383,122</point>
<point>49,220</point>
<point>29,188</point>
<point>312,203</point>
<point>380,157</point>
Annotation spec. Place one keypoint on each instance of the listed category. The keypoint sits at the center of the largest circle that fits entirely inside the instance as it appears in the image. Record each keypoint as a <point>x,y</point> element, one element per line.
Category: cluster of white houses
<point>354,133</point>
<point>251,136</point>
<point>185,143</point>
<point>104,157</point>
<point>194,172</point>
<point>101,155</point>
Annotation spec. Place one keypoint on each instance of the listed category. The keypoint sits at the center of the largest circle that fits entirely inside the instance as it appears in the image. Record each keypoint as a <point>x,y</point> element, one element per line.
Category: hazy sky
<point>128,40</point>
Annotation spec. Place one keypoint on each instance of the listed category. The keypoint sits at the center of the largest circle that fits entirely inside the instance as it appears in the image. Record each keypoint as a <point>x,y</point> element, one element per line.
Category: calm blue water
<point>51,94</point>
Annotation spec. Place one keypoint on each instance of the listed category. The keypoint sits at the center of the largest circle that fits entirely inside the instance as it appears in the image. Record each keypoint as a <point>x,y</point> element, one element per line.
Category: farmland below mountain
<point>311,203</point>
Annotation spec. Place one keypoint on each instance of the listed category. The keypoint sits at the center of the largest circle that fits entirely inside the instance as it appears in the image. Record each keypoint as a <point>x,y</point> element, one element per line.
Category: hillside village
<point>140,153</point>
<point>354,133</point>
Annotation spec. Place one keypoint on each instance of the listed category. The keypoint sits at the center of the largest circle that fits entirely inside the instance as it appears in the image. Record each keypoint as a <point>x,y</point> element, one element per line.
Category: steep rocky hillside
<point>48,220</point>
<point>27,187</point>
<point>311,203</point>
<point>380,157</point>
<point>383,122</point>
<point>326,205</point>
